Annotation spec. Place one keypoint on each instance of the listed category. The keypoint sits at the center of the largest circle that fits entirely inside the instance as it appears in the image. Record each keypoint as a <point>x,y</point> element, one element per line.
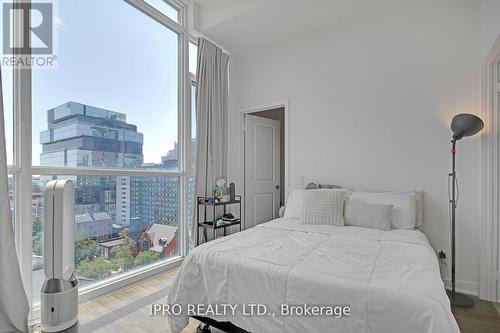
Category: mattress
<point>389,281</point>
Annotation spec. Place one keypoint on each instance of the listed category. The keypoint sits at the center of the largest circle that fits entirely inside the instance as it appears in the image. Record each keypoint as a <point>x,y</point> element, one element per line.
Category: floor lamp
<point>462,125</point>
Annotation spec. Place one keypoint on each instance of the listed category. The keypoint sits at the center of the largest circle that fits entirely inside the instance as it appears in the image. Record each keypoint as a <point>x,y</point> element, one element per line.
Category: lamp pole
<point>453,203</point>
<point>456,299</point>
<point>462,125</point>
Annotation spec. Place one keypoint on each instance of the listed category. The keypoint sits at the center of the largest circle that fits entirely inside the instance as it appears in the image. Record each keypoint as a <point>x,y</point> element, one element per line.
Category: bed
<point>390,280</point>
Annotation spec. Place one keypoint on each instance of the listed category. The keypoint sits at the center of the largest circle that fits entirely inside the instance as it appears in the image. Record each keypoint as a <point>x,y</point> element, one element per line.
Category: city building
<point>108,247</point>
<point>155,199</point>
<point>152,199</point>
<point>80,135</point>
<point>159,238</point>
<point>98,226</point>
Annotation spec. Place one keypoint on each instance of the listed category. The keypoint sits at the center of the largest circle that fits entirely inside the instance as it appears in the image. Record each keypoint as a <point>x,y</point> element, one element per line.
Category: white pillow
<point>404,211</point>
<point>419,195</point>
<point>295,205</point>
<point>367,215</point>
<point>324,206</point>
<point>420,208</point>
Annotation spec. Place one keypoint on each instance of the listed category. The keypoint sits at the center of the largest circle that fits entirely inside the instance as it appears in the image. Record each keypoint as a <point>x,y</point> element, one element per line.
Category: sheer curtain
<point>211,120</point>
<point>14,308</point>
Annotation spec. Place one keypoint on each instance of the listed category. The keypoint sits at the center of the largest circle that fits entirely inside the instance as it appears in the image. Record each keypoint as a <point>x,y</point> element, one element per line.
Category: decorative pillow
<point>328,186</point>
<point>367,215</point>
<point>404,211</point>
<point>314,186</point>
<point>324,207</point>
<point>295,205</point>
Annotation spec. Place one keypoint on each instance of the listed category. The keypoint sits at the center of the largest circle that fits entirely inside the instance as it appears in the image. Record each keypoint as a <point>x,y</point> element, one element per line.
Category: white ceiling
<point>243,25</point>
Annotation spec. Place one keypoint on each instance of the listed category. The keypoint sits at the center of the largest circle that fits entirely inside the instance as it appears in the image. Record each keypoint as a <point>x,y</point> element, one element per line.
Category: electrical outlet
<point>441,254</point>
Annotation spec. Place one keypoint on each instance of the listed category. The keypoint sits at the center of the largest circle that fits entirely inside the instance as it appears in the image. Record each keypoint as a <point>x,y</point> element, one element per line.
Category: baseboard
<point>464,287</point>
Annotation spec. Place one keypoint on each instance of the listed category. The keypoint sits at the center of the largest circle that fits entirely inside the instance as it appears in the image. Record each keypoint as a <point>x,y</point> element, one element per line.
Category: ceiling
<point>243,25</point>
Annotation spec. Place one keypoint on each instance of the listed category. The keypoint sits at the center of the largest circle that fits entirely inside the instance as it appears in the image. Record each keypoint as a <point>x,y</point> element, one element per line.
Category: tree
<point>123,233</point>
<point>37,226</point>
<point>146,258</point>
<point>96,269</point>
<point>123,255</point>
<point>37,264</point>
<point>86,248</point>
<point>37,243</point>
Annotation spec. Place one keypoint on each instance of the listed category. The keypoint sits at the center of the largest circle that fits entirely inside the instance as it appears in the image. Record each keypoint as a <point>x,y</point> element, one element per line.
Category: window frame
<point>157,15</point>
<point>23,169</point>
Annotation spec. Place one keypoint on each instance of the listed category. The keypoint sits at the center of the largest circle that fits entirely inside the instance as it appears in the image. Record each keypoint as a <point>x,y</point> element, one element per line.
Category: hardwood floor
<point>483,318</point>
<point>129,311</point>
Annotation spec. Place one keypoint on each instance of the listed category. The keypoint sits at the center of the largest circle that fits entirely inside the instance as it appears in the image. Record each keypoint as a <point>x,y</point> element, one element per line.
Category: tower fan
<point>59,294</point>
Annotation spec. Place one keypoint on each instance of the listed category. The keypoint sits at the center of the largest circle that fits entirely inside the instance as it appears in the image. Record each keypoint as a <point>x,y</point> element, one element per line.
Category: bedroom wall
<point>370,105</point>
<point>490,24</point>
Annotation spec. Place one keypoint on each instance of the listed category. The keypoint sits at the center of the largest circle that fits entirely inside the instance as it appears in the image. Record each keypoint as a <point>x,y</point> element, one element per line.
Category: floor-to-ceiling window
<point>113,115</point>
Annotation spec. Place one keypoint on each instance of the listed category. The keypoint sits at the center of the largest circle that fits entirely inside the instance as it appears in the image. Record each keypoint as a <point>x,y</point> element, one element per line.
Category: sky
<point>109,55</point>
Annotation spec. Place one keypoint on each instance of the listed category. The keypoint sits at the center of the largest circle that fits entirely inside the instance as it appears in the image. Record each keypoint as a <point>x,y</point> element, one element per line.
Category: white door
<point>262,170</point>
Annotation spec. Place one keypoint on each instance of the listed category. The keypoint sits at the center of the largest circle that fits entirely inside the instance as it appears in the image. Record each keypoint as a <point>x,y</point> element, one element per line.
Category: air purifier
<point>59,294</point>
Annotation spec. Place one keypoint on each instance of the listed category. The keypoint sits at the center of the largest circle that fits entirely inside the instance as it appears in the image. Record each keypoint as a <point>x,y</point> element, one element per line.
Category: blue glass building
<point>79,135</point>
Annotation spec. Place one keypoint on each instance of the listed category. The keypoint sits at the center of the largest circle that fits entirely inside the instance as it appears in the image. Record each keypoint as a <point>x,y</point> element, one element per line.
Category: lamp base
<point>460,300</point>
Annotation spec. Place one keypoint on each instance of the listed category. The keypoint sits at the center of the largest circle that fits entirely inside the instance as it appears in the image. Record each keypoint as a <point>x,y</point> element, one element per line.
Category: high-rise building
<point>80,135</point>
<point>156,199</point>
<point>153,199</point>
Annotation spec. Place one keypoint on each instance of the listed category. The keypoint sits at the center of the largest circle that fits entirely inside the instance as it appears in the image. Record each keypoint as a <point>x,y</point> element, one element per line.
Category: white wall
<point>490,24</point>
<point>370,107</point>
<point>212,12</point>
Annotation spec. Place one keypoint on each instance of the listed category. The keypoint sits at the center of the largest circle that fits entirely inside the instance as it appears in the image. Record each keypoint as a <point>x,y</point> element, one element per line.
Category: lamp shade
<point>465,124</point>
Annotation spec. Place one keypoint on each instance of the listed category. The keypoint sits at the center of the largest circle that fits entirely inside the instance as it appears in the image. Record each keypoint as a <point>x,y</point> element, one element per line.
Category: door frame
<point>489,287</point>
<point>259,108</point>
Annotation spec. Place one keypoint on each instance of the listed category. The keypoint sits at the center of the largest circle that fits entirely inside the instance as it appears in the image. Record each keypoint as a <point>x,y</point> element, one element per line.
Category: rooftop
<point>112,243</point>
<point>89,218</point>
<point>161,232</point>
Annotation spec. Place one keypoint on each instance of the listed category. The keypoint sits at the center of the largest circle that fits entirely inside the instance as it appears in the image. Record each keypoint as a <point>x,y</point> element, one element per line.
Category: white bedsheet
<point>389,279</point>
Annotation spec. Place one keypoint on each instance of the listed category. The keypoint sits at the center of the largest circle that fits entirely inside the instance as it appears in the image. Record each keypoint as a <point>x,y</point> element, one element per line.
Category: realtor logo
<point>32,45</point>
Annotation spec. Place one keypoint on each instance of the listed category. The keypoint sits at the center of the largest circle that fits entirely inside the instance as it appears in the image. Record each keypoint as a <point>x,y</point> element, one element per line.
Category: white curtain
<point>14,308</point>
<point>211,120</point>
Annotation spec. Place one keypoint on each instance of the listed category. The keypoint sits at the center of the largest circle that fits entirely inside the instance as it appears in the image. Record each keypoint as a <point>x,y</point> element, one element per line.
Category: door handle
<point>277,187</point>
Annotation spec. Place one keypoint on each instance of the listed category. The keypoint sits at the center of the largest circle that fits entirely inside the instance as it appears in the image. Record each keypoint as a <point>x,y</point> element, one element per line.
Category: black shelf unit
<point>210,225</point>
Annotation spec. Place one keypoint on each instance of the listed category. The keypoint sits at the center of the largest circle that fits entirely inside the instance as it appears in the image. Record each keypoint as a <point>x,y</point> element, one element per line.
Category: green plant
<point>123,233</point>
<point>146,258</point>
<point>37,225</point>
<point>86,248</point>
<point>37,264</point>
<point>123,254</point>
<point>96,269</point>
<point>37,244</point>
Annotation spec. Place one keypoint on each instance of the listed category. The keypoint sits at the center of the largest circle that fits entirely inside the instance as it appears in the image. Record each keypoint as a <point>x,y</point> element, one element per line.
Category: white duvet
<point>389,279</point>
